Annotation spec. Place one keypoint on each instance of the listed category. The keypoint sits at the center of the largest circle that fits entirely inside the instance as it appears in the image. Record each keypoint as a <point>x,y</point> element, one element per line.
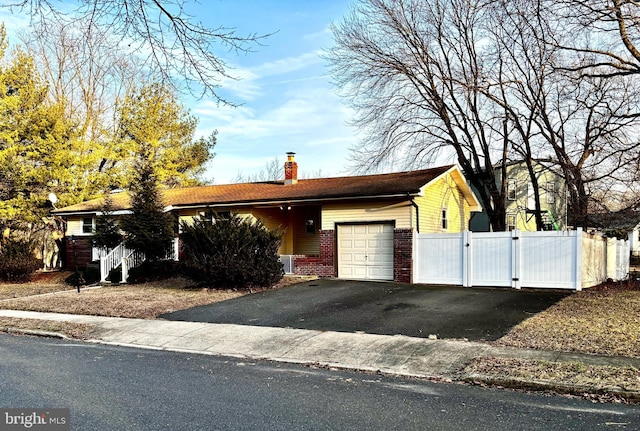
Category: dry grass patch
<point>144,301</point>
<point>604,320</point>
<point>73,330</point>
<point>558,373</point>
<point>42,282</point>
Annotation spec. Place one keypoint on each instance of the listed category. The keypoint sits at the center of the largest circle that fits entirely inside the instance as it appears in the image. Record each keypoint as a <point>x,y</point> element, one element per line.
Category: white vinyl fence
<point>547,259</point>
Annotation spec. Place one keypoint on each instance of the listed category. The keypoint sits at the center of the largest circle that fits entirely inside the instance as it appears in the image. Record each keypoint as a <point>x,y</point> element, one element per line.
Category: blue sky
<point>287,101</point>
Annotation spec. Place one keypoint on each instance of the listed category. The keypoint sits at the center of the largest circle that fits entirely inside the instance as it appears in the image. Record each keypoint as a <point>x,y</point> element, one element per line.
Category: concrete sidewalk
<point>398,355</point>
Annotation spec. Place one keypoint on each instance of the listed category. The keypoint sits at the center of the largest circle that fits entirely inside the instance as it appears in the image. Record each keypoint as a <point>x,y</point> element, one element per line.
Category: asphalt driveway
<point>381,308</point>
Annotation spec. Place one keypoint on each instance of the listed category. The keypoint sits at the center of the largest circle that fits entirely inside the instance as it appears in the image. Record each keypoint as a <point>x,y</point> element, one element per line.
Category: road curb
<point>540,385</point>
<point>35,332</point>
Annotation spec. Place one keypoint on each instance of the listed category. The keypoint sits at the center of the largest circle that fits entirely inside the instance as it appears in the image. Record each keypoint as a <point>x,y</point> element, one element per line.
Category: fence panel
<point>441,259</point>
<point>594,260</point>
<point>548,259</point>
<point>557,260</point>
<point>618,254</point>
<point>491,259</point>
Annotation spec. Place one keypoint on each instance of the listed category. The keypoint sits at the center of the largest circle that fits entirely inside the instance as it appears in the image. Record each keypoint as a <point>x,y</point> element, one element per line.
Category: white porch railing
<point>287,263</point>
<point>127,259</point>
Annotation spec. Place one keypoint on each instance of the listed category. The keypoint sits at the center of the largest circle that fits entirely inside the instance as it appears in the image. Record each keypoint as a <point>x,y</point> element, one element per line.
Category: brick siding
<point>322,265</point>
<point>402,255</point>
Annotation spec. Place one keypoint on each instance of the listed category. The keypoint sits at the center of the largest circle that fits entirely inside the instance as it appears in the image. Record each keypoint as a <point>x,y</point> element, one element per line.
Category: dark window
<point>311,226</point>
<point>511,190</point>
<point>445,222</point>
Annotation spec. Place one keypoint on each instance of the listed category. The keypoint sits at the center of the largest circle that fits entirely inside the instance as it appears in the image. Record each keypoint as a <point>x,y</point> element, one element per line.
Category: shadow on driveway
<point>381,308</point>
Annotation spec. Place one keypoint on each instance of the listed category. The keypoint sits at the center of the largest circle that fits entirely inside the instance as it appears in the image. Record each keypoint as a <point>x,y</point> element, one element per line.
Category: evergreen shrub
<point>17,260</point>
<point>231,252</point>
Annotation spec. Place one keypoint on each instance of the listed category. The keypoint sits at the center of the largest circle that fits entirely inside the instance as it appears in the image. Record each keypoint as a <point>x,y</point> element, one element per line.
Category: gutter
<point>282,201</point>
<point>415,205</point>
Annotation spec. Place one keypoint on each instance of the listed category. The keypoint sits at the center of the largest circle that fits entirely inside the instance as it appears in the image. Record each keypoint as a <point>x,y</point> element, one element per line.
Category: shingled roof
<point>320,189</point>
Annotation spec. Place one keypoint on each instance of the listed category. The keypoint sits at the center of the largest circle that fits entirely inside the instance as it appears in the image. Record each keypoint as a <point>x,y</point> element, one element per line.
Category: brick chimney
<point>290,169</point>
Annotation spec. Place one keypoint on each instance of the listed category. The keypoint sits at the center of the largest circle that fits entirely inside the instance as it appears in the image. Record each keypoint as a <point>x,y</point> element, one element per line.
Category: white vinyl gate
<point>548,259</point>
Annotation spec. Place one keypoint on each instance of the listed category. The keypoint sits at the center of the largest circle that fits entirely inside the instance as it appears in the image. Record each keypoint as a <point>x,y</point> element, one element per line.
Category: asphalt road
<point>381,308</point>
<point>114,388</point>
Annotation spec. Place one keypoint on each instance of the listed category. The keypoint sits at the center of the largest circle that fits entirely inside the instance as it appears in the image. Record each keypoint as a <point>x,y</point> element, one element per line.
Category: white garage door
<point>365,252</point>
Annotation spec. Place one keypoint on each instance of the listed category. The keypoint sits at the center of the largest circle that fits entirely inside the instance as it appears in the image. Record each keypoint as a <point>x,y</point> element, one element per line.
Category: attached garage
<point>365,251</point>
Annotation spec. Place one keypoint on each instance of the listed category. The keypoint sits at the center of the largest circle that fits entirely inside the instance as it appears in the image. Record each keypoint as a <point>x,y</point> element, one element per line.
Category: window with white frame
<point>531,197</point>
<point>511,222</point>
<point>87,225</point>
<point>445,220</point>
<point>551,193</point>
<point>212,216</point>
<point>511,189</point>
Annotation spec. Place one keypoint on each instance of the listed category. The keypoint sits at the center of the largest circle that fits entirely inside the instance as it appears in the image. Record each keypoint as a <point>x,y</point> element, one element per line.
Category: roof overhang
<point>292,201</point>
<point>461,182</point>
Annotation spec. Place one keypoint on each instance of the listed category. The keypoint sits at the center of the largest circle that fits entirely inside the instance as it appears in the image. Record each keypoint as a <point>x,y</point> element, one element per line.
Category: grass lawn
<point>73,330</point>
<point>584,376</point>
<point>602,320</point>
<point>144,301</point>
<point>42,282</point>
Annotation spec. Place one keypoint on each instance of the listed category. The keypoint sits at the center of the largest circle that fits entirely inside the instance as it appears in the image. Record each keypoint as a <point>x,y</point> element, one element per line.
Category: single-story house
<point>622,224</point>
<point>354,227</point>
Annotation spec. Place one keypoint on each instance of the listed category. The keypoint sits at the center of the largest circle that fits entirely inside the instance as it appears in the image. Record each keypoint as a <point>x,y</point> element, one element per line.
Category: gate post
<point>467,258</point>
<point>516,248</point>
<point>577,235</point>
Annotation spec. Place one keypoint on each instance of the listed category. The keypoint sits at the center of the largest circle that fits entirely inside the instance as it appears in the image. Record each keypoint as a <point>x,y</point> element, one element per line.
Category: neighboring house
<point>621,224</point>
<point>358,227</point>
<point>520,200</point>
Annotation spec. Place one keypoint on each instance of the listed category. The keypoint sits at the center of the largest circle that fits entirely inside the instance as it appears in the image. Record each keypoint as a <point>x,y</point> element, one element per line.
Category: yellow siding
<point>74,226</point>
<point>442,194</point>
<point>517,207</point>
<point>275,218</point>
<point>187,216</point>
<point>305,243</point>
<point>400,211</point>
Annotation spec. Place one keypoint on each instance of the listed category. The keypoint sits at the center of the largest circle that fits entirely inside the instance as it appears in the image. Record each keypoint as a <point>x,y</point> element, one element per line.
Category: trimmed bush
<point>75,279</point>
<point>91,274</point>
<point>115,275</point>
<point>17,261</point>
<point>231,253</point>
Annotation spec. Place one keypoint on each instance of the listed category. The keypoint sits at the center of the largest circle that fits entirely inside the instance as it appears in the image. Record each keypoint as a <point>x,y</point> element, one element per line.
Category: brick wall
<point>322,265</point>
<point>402,255</point>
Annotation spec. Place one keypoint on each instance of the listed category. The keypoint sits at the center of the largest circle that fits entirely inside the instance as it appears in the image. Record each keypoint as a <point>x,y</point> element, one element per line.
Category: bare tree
<point>605,34</point>
<point>413,71</point>
<point>592,132</point>
<point>273,171</point>
<point>488,82</point>
<point>87,73</point>
<point>171,41</point>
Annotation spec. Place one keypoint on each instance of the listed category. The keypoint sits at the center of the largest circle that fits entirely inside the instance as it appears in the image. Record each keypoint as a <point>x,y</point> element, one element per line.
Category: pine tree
<point>148,229</point>
<point>107,233</point>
